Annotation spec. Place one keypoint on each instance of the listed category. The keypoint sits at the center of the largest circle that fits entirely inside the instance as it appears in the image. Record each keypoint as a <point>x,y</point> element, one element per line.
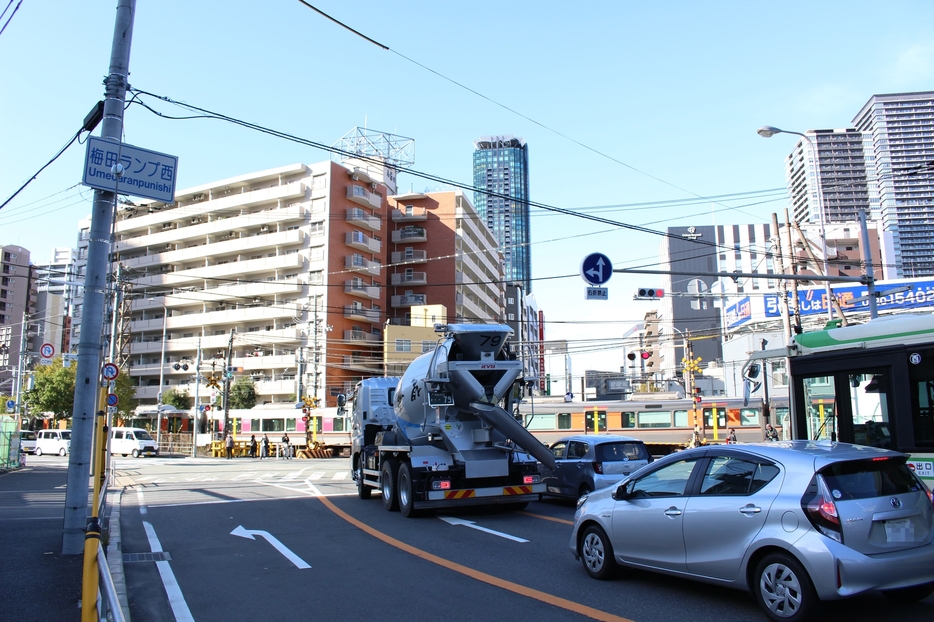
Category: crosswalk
<point>251,476</point>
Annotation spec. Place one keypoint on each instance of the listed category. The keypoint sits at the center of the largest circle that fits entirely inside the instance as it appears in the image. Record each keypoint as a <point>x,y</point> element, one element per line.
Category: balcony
<point>410,213</point>
<point>410,278</point>
<point>362,242</point>
<point>360,336</point>
<point>409,257</point>
<point>359,194</point>
<point>410,235</point>
<point>408,300</point>
<point>356,288</point>
<point>358,313</point>
<point>361,218</point>
<point>367,363</point>
<point>358,263</point>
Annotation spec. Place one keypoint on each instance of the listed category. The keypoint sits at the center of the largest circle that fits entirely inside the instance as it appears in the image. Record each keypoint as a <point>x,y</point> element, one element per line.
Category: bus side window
<point>921,377</point>
<point>629,419</point>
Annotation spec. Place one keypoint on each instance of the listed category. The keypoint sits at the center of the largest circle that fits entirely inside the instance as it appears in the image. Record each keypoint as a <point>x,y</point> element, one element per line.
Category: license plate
<point>901,530</point>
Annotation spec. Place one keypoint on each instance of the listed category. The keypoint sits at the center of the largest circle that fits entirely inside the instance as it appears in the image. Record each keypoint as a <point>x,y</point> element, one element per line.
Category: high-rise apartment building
<point>901,150</point>
<point>840,166</point>
<point>501,175</point>
<point>57,291</point>
<point>17,310</point>
<point>443,254</point>
<point>284,265</point>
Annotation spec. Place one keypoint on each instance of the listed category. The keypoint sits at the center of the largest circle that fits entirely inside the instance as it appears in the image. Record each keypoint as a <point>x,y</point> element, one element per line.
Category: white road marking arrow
<point>289,555</point>
<point>451,520</point>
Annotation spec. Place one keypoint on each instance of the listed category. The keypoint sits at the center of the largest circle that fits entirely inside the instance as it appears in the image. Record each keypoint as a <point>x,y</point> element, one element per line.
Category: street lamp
<point>768,131</point>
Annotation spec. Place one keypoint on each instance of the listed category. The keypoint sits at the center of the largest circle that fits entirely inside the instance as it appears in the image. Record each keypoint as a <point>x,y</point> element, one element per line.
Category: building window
<point>319,206</point>
<point>319,181</point>
<point>317,253</point>
<point>403,345</point>
<point>316,228</point>
<point>428,346</point>
<point>316,277</point>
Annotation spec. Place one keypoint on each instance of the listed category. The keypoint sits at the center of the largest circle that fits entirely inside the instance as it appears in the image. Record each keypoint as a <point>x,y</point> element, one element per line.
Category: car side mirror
<point>623,491</point>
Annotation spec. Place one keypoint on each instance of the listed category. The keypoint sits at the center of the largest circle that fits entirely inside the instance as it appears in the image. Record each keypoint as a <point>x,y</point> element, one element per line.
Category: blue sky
<point>671,93</point>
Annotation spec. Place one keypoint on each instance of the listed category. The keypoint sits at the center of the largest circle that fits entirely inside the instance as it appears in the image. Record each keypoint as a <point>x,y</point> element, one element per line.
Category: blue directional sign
<point>142,173</point>
<point>10,405</point>
<point>596,268</point>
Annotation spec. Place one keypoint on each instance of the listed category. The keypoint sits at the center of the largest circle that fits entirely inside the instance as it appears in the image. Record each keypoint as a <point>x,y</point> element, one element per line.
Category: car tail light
<point>598,467</point>
<point>822,511</point>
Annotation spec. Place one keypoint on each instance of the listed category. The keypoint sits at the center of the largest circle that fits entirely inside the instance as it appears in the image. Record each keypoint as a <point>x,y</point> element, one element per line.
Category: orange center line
<point>522,590</point>
<point>551,518</point>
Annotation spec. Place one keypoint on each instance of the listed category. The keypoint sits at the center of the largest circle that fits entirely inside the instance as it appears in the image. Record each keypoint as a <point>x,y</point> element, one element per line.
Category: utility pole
<point>301,371</point>
<point>95,288</point>
<point>21,368</point>
<point>227,374</point>
<point>197,415</point>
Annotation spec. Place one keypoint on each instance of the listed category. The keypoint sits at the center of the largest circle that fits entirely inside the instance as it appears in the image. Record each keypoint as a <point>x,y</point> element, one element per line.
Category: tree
<point>243,393</point>
<point>179,399</point>
<point>54,389</point>
<point>125,391</point>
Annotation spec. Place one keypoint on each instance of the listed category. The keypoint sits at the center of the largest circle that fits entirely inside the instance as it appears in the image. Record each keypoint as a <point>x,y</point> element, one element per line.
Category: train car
<point>327,428</point>
<point>664,425</point>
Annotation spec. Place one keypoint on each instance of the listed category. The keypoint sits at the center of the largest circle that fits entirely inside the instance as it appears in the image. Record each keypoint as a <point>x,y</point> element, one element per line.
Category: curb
<point>115,555</point>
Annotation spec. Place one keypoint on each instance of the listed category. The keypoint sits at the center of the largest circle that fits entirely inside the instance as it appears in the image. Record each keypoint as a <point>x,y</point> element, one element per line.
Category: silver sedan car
<point>794,522</point>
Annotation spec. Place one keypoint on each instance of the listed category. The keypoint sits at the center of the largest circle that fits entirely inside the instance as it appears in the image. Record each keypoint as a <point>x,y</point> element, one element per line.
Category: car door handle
<point>749,510</point>
<point>672,511</point>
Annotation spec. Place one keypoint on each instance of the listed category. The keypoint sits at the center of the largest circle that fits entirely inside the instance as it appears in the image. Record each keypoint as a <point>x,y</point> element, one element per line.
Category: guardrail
<point>108,604</point>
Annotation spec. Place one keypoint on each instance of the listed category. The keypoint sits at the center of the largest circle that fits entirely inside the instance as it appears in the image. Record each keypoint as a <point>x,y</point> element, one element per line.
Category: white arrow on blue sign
<point>596,268</point>
<point>10,405</point>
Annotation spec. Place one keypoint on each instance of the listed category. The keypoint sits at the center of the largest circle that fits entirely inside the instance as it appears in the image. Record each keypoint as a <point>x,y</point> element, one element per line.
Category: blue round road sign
<point>596,268</point>
<point>111,399</point>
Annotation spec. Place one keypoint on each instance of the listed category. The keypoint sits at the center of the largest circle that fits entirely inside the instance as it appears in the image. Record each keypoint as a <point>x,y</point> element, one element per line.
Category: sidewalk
<point>37,582</point>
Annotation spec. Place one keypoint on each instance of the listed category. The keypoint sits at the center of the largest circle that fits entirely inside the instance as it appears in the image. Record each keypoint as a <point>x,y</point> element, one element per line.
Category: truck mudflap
<point>508,494</point>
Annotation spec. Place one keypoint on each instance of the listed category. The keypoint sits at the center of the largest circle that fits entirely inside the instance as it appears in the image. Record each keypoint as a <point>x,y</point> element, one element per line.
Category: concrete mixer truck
<point>439,436</point>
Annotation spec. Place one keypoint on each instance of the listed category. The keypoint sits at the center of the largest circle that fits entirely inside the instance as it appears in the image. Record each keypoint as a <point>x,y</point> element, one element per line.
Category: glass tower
<point>501,175</point>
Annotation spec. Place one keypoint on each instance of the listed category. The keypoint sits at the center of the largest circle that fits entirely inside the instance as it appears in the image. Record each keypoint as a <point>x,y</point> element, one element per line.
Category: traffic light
<point>646,355</point>
<point>179,366</point>
<point>648,293</point>
<point>631,356</point>
<point>697,395</point>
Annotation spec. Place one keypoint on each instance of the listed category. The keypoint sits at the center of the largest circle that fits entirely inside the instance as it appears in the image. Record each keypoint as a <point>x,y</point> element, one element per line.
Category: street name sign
<point>125,169</point>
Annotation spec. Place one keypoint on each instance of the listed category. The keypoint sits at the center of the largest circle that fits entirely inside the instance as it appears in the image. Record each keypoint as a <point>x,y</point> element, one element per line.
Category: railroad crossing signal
<point>692,365</point>
<point>213,381</point>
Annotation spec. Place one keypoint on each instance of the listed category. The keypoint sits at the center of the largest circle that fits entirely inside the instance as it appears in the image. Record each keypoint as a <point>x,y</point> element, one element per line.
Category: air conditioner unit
<point>373,185</point>
<point>355,177</point>
<point>264,228</point>
<point>195,221</point>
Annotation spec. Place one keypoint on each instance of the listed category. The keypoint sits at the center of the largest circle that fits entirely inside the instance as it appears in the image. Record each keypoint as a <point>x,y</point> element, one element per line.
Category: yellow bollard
<point>92,535</point>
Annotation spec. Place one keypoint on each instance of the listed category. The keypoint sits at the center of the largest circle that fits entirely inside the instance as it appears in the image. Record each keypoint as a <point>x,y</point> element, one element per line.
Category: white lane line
<point>172,590</point>
<point>244,475</point>
<point>286,552</point>
<point>316,475</point>
<point>142,503</point>
<point>339,476</point>
<point>451,520</point>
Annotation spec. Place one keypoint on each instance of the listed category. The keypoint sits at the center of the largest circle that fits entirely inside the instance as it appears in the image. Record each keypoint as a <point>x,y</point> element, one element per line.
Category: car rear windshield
<point>864,479</point>
<point>66,435</point>
<point>616,452</point>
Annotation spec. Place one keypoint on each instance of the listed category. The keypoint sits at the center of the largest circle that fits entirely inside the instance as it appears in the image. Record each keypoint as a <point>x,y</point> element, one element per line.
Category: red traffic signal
<point>697,395</point>
<point>649,293</point>
<point>646,355</point>
<point>306,418</point>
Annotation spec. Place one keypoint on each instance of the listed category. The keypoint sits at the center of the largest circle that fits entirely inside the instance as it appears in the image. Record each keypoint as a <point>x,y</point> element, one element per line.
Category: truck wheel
<point>363,491</point>
<point>387,485</point>
<point>406,492</point>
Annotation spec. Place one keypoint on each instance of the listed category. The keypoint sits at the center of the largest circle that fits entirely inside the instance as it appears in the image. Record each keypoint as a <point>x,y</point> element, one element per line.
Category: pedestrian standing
<point>771,434</point>
<point>731,437</point>
<point>229,444</point>
<point>285,444</point>
<point>252,445</point>
<point>264,449</point>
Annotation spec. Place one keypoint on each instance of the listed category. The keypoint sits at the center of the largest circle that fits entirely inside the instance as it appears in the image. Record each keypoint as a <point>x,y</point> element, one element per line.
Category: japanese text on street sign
<point>148,174</point>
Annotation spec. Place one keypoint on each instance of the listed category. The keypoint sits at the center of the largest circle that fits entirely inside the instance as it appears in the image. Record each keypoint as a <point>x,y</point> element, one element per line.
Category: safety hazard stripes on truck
<point>499,491</point>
